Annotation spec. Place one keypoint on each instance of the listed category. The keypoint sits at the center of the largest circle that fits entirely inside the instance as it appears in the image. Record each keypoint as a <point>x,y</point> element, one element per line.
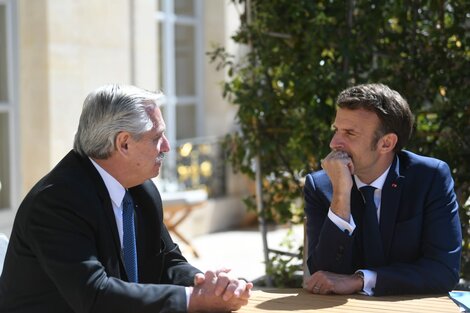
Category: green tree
<point>303,53</point>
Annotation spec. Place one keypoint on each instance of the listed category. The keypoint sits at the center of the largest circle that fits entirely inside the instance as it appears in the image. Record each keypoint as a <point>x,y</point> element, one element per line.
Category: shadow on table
<point>300,301</point>
<point>304,300</point>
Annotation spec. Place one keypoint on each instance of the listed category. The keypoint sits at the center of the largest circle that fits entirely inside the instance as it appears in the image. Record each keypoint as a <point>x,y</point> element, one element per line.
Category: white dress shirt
<point>370,277</point>
<point>116,193</point>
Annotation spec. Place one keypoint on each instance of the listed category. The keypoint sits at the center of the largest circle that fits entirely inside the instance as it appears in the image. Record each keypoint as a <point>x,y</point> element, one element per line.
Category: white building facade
<point>54,52</point>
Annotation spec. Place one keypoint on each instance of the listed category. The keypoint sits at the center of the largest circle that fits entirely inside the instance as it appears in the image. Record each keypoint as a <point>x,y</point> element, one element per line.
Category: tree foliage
<point>302,53</point>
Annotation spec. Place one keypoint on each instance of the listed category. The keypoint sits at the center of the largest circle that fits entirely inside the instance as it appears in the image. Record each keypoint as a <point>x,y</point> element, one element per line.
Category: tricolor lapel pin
<point>394,185</point>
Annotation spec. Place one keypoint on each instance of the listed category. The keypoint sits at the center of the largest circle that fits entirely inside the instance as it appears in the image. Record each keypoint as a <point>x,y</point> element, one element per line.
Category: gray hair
<point>109,110</point>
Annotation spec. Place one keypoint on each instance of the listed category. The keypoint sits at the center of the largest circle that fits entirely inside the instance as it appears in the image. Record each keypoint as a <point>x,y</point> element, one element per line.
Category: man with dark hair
<point>89,236</point>
<point>380,220</point>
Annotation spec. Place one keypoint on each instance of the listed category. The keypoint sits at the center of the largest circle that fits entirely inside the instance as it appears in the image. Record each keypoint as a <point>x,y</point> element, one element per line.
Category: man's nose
<point>165,145</point>
<point>336,143</point>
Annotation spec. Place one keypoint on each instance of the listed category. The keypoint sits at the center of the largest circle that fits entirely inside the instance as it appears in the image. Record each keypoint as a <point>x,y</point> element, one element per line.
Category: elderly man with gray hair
<point>89,236</point>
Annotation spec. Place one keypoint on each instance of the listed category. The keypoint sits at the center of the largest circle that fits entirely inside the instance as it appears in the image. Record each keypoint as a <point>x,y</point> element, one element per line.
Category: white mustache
<point>161,156</point>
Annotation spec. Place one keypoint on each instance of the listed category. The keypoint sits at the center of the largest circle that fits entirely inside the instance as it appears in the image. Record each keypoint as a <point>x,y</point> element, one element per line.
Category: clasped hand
<point>218,291</point>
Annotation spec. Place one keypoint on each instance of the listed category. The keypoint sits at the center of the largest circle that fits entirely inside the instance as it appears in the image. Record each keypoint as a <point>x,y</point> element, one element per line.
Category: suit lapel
<point>107,205</point>
<point>391,195</point>
<point>357,211</point>
<point>148,224</point>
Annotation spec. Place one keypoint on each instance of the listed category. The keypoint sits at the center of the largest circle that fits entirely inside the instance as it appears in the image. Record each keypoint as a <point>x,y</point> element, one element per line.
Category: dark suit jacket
<point>65,254</point>
<point>419,225</point>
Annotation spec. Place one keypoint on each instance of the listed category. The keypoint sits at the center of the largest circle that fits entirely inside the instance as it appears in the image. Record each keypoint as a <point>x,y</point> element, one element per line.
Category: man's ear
<point>388,142</point>
<point>122,142</point>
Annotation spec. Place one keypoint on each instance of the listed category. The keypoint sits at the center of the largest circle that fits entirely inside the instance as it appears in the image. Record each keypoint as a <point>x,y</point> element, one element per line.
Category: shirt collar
<point>115,189</point>
<point>378,183</point>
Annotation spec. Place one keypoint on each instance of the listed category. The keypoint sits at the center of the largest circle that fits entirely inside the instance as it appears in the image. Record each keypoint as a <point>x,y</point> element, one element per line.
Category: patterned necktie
<point>373,250</point>
<point>130,251</point>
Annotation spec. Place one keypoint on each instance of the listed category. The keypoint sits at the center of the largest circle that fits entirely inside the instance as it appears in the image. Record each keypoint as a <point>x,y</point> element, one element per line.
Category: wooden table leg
<point>172,220</point>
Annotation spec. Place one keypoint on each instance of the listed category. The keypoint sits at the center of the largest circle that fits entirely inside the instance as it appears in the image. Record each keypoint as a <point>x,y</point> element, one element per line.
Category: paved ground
<point>239,250</point>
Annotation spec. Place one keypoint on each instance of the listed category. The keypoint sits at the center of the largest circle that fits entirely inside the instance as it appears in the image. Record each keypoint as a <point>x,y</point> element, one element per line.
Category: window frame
<point>10,106</point>
<point>166,18</point>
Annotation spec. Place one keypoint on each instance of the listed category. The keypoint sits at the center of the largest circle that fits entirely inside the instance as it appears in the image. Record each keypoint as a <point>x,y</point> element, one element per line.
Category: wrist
<point>340,205</point>
<point>359,277</point>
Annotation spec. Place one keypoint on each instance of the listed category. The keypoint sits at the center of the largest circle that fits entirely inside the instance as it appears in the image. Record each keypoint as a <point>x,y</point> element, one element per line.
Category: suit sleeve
<point>329,248</point>
<point>62,232</point>
<point>436,269</point>
<point>177,270</point>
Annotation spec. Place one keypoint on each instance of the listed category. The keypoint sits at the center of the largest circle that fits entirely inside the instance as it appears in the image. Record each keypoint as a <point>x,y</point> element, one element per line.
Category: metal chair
<point>305,252</point>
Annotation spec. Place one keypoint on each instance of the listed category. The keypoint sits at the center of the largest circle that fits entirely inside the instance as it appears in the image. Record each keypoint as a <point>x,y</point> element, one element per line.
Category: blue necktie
<point>130,251</point>
<point>372,241</point>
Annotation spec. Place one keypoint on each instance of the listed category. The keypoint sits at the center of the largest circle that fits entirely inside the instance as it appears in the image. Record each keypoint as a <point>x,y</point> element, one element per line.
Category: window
<point>7,110</point>
<point>180,62</point>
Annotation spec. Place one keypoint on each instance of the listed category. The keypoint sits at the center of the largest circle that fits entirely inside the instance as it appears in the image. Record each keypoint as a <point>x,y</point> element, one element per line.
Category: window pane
<point>185,121</point>
<point>201,165</point>
<point>184,60</point>
<point>184,7</point>
<point>4,163</point>
<point>3,55</point>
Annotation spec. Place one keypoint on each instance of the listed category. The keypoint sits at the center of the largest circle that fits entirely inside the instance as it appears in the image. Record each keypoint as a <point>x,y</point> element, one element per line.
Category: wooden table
<point>299,301</point>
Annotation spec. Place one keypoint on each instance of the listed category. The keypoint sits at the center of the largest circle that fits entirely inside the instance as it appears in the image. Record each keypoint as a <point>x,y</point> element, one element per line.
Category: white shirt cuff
<point>342,224</point>
<point>370,279</point>
<point>188,295</point>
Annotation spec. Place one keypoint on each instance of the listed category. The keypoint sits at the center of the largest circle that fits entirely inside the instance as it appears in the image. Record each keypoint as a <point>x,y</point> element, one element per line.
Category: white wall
<point>67,48</point>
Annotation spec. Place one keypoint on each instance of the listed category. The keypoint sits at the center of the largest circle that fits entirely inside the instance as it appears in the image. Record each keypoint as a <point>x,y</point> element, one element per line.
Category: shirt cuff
<point>188,295</point>
<point>342,224</point>
<point>370,279</point>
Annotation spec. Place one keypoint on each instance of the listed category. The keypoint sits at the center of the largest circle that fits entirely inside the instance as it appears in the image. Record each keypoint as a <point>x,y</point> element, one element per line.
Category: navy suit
<point>419,227</point>
<point>65,252</point>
